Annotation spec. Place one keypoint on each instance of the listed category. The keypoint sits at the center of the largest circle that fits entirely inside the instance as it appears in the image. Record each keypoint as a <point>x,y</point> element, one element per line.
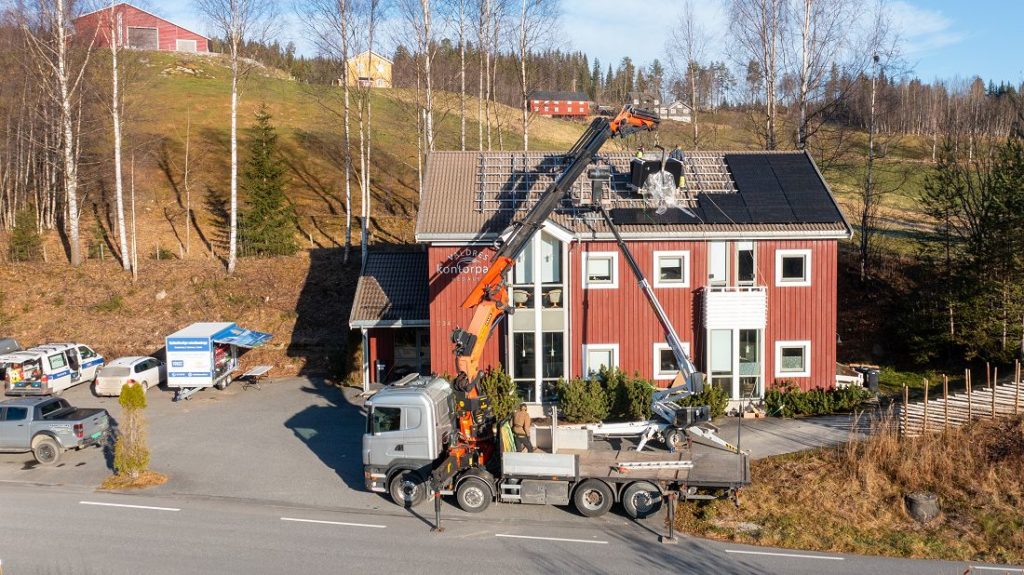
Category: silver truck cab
<point>407,427</point>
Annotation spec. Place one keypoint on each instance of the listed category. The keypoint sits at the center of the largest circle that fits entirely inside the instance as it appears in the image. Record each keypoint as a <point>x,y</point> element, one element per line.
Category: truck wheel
<point>674,439</point>
<point>641,500</point>
<point>473,495</point>
<point>408,489</point>
<point>46,451</point>
<point>593,498</point>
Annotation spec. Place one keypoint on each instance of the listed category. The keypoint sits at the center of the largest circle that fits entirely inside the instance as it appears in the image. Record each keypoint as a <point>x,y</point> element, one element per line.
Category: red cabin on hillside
<point>560,104</point>
<point>747,277</point>
<point>139,29</point>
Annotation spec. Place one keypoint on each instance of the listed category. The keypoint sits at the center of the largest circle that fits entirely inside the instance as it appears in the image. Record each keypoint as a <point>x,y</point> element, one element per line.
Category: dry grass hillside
<point>850,499</point>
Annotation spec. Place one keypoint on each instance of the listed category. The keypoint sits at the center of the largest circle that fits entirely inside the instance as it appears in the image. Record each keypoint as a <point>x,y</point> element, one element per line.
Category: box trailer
<point>204,355</point>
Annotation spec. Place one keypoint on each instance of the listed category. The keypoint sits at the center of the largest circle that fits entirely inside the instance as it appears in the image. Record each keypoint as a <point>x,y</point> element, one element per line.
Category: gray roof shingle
<point>776,193</point>
<point>387,295</point>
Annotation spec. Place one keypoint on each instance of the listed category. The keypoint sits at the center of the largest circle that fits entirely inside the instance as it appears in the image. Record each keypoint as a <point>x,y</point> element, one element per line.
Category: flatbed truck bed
<point>711,468</point>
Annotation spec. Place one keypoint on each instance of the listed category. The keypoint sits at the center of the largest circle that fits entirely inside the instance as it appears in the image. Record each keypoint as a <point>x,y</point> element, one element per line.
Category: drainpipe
<point>366,359</point>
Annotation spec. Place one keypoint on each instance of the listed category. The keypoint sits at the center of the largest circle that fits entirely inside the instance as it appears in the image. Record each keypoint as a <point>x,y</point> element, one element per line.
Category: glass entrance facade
<point>735,361</point>
<point>538,341</point>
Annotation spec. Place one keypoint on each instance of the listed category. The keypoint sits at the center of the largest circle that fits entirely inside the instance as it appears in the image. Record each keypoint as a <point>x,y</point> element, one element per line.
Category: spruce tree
<point>269,224</point>
<point>25,244</point>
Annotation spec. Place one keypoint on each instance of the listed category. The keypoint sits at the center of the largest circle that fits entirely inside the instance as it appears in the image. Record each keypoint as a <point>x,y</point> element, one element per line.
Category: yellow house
<point>369,70</point>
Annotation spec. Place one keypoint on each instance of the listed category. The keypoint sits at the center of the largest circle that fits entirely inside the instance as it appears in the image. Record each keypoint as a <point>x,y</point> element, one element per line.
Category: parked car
<point>49,369</point>
<point>49,426</point>
<point>146,371</point>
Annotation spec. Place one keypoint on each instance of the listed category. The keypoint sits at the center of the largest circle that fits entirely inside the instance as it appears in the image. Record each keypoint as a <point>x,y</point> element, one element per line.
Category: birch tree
<point>62,63</point>
<point>115,40</point>
<point>536,24</point>
<point>330,21</point>
<point>239,22</point>
<point>757,28</point>
<point>687,42</point>
<point>368,21</point>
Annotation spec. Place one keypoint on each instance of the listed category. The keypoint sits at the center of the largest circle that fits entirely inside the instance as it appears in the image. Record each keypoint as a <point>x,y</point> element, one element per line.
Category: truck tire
<point>641,500</point>
<point>473,495</point>
<point>593,498</point>
<point>408,489</point>
<point>45,450</point>
<point>675,439</point>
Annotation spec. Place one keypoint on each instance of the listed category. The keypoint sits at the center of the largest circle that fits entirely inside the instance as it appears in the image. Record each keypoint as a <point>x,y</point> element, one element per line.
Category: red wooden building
<point>138,29</point>
<point>560,104</point>
<point>748,278</point>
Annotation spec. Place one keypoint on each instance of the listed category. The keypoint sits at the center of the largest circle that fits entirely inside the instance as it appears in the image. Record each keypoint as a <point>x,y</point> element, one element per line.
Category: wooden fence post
<point>1016,387</point>
<point>925,406</point>
<point>995,379</point>
<point>970,402</point>
<point>906,417</point>
<point>945,403</point>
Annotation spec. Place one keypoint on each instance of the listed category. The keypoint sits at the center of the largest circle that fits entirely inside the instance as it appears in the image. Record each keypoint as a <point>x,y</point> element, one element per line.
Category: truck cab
<point>408,426</point>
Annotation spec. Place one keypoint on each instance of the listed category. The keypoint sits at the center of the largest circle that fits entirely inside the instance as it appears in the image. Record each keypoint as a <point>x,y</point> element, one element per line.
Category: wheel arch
<point>481,474</point>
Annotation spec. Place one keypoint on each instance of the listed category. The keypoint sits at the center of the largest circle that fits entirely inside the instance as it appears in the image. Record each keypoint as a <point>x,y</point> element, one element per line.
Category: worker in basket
<point>521,429</point>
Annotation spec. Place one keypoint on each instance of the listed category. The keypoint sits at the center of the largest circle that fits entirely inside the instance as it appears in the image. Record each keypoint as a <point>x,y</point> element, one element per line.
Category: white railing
<point>736,307</point>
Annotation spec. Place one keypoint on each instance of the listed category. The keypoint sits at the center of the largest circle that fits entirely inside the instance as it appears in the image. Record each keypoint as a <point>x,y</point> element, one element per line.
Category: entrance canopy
<point>392,292</point>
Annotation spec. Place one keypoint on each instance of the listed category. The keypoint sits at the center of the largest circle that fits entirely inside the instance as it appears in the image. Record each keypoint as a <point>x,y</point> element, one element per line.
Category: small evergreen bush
<point>501,392</point>
<point>131,455</point>
<point>788,400</point>
<point>715,397</point>
<point>25,244</point>
<point>582,401</point>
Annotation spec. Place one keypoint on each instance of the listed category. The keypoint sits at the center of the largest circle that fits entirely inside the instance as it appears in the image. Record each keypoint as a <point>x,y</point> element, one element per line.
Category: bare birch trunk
<point>233,216</point>
<point>115,110</point>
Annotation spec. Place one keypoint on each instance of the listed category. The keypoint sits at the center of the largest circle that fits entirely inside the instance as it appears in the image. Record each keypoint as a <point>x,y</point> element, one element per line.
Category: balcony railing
<point>735,307</point>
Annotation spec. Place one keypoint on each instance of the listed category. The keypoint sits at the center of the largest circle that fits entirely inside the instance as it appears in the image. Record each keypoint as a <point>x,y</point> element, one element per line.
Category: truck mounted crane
<point>452,444</point>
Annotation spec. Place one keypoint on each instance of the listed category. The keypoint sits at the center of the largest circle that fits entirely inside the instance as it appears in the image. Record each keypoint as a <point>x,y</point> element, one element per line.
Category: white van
<point>49,369</point>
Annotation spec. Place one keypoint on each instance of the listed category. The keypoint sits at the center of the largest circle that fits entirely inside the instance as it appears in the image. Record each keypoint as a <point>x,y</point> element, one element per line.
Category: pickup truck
<point>49,426</point>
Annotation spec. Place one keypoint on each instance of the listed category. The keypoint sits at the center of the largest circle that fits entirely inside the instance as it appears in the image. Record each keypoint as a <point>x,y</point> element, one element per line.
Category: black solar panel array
<point>772,189</point>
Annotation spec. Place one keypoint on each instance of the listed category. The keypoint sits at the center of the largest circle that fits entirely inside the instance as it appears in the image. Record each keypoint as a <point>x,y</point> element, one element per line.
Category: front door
<point>734,362</point>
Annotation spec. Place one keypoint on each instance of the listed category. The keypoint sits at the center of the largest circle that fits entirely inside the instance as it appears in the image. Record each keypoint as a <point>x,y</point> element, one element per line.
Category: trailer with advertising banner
<point>205,355</point>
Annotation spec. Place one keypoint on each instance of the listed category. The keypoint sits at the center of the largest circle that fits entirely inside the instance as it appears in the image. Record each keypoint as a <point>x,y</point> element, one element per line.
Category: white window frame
<point>660,347</point>
<point>780,255</point>
<point>684,255</point>
<point>585,263</point>
<point>588,347</point>
<point>779,345</point>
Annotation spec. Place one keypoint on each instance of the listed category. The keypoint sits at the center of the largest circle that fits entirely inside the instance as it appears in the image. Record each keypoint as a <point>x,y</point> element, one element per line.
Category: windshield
<point>115,372</point>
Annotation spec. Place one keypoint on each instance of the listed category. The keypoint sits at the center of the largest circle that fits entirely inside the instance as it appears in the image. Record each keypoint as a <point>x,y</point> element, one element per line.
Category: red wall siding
<point>167,32</point>
<point>453,271</point>
<point>803,313</point>
<point>382,347</point>
<point>624,316</point>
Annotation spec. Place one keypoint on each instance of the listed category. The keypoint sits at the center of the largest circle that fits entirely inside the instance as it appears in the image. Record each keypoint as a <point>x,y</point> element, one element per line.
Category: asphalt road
<point>270,482</point>
<point>64,531</point>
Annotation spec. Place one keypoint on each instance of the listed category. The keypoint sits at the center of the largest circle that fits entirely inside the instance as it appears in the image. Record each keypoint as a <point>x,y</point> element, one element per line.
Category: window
<point>85,352</point>
<point>143,38</point>
<point>793,267</point>
<point>718,264</point>
<point>598,355</point>
<point>672,269</point>
<point>745,266</point>
<point>51,408</point>
<point>385,419</point>
<point>16,414</point>
<point>191,46</point>
<point>600,270</point>
<point>792,359</point>
<point>665,361</point>
<point>58,361</point>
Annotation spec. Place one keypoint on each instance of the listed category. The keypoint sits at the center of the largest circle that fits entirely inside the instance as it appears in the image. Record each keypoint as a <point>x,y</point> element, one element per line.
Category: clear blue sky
<point>941,38</point>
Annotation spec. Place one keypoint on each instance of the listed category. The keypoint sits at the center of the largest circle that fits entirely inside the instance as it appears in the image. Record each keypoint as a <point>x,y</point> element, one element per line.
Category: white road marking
<point>129,506</point>
<point>334,523</point>
<point>792,555</point>
<point>595,542</point>
<point>1001,569</point>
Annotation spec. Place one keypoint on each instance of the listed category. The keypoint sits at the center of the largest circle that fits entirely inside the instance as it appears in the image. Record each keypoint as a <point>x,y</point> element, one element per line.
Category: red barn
<point>139,29</point>
<point>748,278</point>
<point>560,104</point>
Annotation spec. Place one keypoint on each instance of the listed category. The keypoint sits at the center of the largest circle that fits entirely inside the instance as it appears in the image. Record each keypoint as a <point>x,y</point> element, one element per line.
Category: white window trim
<point>585,262</point>
<point>685,255</point>
<point>779,281</point>
<point>660,347</point>
<point>806,344</point>
<point>588,347</point>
